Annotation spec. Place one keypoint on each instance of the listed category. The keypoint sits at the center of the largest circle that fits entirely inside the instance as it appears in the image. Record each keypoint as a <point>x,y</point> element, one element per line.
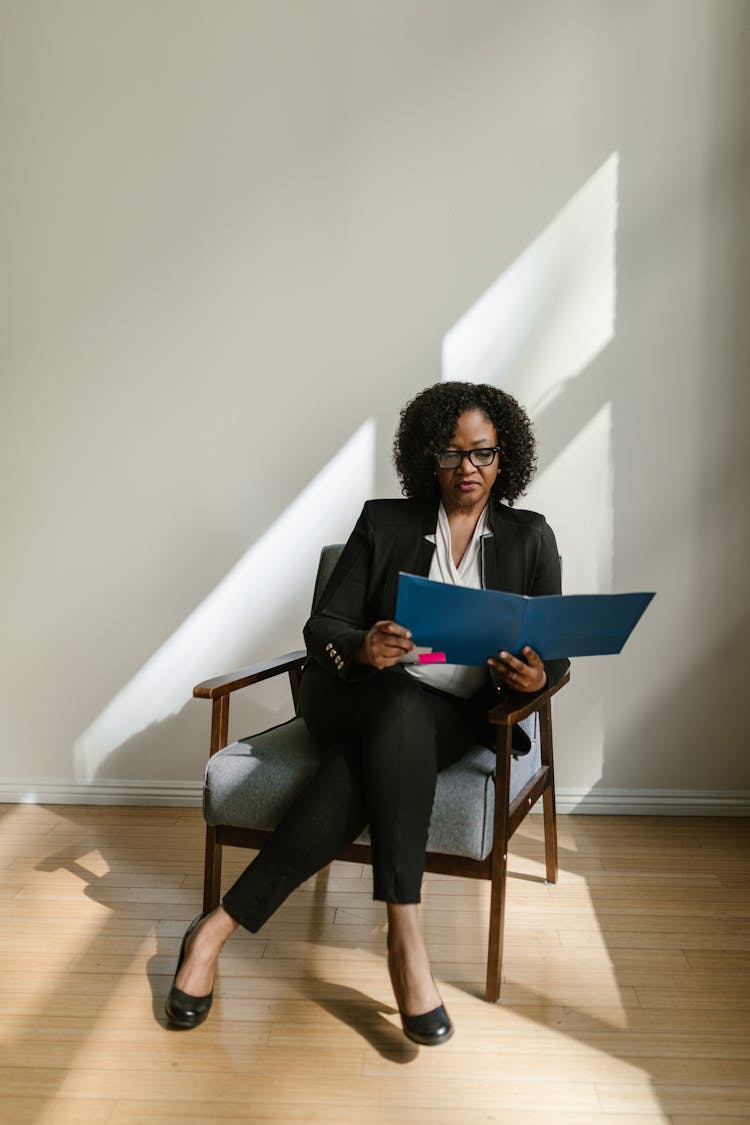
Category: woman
<point>386,726</point>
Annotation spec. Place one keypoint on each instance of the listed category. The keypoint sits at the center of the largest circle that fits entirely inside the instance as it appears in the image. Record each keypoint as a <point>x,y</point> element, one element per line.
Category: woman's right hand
<point>384,645</point>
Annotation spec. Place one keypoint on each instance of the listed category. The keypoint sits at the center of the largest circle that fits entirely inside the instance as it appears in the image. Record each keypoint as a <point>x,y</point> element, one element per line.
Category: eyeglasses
<point>481,458</point>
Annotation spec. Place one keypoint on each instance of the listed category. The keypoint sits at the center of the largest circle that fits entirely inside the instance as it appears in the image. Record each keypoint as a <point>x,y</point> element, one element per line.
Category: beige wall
<point>235,235</point>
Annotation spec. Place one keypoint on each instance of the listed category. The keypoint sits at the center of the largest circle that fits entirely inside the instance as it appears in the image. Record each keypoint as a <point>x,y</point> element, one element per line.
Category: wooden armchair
<point>479,802</point>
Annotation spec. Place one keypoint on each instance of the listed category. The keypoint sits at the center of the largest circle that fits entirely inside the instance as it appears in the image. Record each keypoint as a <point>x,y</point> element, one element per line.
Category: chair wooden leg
<point>211,872</point>
<point>548,797</point>
<point>497,922</point>
<point>499,866</point>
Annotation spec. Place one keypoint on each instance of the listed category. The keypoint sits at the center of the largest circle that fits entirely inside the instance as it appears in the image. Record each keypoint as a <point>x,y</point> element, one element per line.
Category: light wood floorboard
<point>626,991</point>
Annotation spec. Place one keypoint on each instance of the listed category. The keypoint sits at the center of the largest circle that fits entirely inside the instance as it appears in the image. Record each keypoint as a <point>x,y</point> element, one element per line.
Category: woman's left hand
<point>521,675</point>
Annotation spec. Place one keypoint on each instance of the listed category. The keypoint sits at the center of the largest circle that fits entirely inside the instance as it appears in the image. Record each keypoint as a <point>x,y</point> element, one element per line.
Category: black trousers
<point>383,740</point>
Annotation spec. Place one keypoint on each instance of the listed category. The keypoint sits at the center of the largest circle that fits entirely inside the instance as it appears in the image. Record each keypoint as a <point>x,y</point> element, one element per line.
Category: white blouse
<point>456,679</point>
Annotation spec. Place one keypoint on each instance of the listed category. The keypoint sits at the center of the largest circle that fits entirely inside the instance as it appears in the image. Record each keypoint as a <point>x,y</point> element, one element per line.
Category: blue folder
<point>471,625</point>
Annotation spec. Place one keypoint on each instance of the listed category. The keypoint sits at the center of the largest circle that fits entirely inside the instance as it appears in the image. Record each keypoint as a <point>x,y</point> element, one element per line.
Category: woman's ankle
<point>414,988</point>
<point>408,961</point>
<point>222,924</point>
<point>198,970</point>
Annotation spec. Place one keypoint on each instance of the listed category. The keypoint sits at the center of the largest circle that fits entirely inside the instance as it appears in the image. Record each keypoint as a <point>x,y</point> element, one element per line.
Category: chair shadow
<point>364,1016</point>
<point>91,884</point>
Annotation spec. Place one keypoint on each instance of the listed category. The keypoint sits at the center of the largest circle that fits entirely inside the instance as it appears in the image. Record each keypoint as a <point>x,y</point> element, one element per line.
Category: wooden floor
<point>626,995</point>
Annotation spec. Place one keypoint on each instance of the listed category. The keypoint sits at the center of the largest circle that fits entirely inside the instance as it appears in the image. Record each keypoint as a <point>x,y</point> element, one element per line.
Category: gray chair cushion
<point>252,783</point>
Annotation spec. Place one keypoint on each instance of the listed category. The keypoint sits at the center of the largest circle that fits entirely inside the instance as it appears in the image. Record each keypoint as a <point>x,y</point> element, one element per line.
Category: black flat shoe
<point>430,1029</point>
<point>185,1011</point>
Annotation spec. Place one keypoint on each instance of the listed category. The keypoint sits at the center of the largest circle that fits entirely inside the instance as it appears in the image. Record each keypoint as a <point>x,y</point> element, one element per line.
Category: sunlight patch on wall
<point>553,310</point>
<point>245,603</point>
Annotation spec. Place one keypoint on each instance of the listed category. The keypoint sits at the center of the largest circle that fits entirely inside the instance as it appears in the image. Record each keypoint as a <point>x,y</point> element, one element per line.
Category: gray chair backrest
<point>329,556</point>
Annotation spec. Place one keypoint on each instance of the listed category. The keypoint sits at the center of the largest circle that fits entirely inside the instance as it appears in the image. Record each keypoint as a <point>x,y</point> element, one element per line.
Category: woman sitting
<point>464,453</point>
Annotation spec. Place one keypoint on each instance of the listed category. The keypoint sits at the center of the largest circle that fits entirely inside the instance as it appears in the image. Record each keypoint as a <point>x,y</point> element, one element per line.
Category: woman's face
<point>468,486</point>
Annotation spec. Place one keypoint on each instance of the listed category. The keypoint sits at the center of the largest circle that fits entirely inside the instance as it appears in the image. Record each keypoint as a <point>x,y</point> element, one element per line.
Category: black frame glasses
<point>480,458</point>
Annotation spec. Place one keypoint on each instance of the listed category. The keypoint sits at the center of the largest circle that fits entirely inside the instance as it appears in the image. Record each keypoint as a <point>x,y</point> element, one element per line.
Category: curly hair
<point>428,424</point>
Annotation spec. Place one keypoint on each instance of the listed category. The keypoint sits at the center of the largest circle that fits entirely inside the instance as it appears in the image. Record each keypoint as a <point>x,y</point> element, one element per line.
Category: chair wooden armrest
<point>219,689</point>
<point>518,705</point>
<point>252,674</point>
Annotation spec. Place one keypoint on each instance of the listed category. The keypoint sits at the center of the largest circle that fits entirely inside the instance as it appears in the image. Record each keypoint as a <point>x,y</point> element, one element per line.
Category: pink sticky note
<point>432,658</point>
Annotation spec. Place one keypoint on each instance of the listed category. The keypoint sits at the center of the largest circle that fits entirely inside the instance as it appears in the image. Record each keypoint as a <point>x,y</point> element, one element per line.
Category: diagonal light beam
<point>244,605</point>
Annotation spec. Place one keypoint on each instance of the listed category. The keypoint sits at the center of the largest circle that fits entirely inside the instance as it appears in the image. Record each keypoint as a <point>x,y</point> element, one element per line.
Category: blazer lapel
<point>496,560</point>
<point>423,558</point>
<point>423,549</point>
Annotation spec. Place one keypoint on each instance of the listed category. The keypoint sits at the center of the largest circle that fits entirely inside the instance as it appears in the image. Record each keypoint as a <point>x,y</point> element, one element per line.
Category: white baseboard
<point>653,802</point>
<point>602,802</point>
<point>163,793</point>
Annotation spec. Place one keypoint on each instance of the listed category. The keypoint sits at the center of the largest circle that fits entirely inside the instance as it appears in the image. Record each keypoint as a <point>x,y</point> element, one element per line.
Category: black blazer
<point>518,555</point>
